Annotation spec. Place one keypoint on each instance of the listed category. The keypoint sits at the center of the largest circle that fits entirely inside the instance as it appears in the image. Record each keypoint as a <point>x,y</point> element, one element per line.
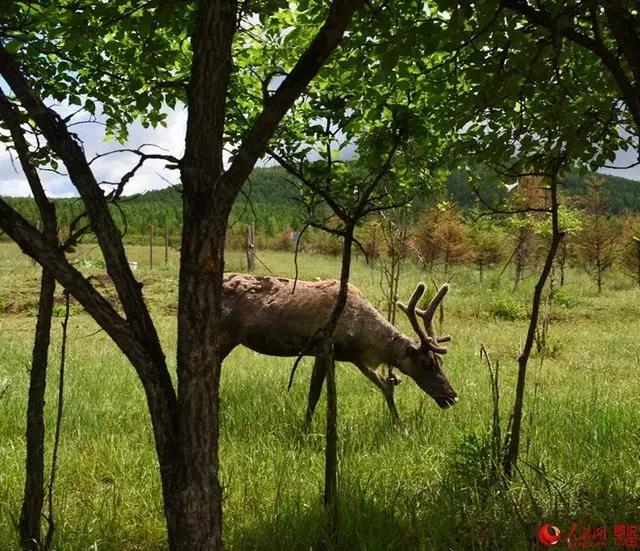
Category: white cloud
<point>112,167</point>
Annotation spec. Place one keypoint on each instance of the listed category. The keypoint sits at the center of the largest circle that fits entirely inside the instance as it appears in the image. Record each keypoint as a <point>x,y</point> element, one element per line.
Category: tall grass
<point>426,491</point>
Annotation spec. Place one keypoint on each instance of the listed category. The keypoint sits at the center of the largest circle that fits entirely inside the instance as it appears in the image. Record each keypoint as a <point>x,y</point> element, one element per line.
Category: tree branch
<point>72,155</point>
<point>33,243</point>
<point>310,62</point>
<point>544,19</point>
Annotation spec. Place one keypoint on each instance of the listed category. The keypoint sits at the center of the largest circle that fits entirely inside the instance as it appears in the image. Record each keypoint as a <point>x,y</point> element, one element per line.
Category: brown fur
<point>268,316</point>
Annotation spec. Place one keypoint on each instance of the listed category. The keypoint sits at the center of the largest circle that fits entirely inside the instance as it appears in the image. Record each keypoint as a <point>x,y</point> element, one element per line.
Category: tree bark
<point>208,195</point>
<point>31,513</point>
<point>513,444</point>
<point>331,449</point>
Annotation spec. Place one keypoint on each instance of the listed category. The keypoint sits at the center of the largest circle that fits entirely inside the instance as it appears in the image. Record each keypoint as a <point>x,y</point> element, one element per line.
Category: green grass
<point>424,491</point>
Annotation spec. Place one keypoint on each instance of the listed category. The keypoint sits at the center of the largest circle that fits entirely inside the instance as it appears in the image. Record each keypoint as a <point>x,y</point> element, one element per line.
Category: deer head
<point>423,363</point>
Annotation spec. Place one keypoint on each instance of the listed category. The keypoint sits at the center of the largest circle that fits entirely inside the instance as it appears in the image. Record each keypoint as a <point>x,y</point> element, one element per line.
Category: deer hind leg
<point>315,388</point>
<point>387,388</point>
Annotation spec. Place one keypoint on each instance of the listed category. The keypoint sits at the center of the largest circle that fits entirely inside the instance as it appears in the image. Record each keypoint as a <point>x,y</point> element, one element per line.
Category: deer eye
<point>432,361</point>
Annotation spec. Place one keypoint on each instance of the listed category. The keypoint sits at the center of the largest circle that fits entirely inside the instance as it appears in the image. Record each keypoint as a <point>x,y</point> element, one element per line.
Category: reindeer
<point>278,316</point>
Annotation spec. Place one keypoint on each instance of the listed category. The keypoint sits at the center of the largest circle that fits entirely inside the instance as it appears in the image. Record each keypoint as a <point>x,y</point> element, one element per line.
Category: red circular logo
<point>548,535</point>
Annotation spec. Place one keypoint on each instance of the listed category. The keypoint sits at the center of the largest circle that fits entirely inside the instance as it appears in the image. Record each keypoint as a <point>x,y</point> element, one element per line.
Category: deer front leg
<point>387,387</point>
<point>315,388</point>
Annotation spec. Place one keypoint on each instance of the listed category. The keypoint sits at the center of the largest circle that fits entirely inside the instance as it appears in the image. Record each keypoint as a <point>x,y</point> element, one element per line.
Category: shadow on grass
<point>365,523</point>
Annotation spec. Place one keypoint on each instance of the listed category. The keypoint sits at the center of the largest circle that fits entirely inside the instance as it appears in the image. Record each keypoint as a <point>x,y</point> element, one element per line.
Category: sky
<point>112,167</point>
<point>171,139</point>
<point>625,158</point>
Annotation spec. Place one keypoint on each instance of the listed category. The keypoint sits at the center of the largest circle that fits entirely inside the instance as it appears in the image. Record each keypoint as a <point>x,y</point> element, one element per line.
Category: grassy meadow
<point>428,490</point>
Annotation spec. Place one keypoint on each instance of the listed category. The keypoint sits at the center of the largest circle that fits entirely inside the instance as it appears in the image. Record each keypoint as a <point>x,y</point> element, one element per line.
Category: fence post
<point>151,228</point>
<point>251,263</point>
<point>166,247</point>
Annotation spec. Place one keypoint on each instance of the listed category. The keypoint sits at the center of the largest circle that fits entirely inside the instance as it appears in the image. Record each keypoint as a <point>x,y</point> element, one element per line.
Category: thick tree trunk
<point>31,513</point>
<point>199,362</point>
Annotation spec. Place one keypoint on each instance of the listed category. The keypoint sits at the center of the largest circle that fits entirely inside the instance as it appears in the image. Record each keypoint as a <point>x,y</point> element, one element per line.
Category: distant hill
<point>269,200</point>
<point>623,195</point>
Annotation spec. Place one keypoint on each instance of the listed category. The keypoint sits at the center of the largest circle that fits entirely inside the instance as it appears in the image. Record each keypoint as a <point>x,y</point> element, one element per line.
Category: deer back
<point>269,316</point>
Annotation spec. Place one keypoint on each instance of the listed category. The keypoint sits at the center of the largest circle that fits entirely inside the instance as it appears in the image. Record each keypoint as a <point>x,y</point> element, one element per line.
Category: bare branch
<point>72,155</point>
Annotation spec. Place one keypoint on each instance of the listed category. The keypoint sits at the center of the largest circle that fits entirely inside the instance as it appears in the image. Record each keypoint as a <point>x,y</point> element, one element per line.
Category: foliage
<point>131,57</point>
<point>507,308</point>
<point>524,243</point>
<point>599,239</point>
<point>564,298</point>
<point>488,244</point>
<point>517,81</point>
<point>441,237</point>
<point>274,205</point>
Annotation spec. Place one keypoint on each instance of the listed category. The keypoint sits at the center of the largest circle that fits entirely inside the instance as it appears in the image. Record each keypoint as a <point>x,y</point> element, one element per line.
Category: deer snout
<point>447,401</point>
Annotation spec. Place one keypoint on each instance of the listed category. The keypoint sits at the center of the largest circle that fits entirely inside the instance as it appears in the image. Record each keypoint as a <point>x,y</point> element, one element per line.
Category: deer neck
<point>396,348</point>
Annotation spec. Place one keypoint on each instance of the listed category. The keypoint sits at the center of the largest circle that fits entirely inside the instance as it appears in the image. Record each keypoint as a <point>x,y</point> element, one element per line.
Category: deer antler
<point>411,313</point>
<point>430,338</point>
<point>427,339</point>
<point>427,315</point>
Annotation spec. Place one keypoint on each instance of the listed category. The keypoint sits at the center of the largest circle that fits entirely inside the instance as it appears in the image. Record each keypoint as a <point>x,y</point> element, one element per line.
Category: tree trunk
<point>31,513</point>
<point>331,450</point>
<point>185,425</point>
<point>563,261</point>
<point>199,361</point>
<point>513,444</point>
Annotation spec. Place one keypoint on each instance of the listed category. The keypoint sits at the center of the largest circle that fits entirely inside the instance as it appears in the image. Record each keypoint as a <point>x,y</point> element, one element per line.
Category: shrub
<point>487,242</point>
<point>441,237</point>
<point>326,243</point>
<point>507,309</point>
<point>59,310</point>
<point>563,298</point>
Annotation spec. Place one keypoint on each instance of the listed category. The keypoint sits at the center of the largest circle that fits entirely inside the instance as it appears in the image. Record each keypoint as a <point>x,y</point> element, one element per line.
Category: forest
<point>275,206</point>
